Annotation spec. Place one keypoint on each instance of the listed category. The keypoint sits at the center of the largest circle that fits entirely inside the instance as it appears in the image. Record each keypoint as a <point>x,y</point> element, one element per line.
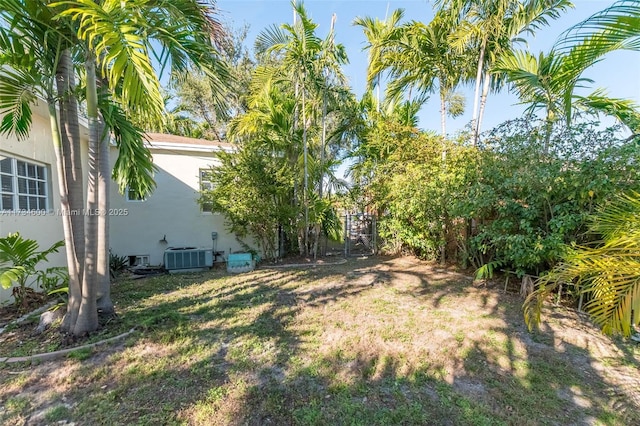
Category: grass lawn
<point>375,341</point>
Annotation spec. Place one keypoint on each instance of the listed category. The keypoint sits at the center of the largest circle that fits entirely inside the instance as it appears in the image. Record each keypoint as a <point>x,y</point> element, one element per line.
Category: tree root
<point>53,355</point>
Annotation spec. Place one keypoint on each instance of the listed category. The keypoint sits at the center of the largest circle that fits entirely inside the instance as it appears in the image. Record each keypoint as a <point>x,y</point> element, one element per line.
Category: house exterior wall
<point>44,227</point>
<point>170,217</point>
<point>171,213</point>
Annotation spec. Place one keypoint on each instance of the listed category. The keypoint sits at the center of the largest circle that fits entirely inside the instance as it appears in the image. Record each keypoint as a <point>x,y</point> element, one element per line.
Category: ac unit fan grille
<point>187,259</point>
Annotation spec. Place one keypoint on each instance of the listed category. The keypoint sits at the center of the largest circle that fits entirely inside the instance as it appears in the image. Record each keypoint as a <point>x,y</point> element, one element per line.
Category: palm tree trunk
<point>75,291</point>
<point>104,302</point>
<point>443,113</point>
<point>317,228</point>
<point>66,138</point>
<point>323,144</point>
<point>476,93</point>
<point>71,143</point>
<point>88,313</point>
<point>483,103</point>
<point>296,189</point>
<point>305,191</point>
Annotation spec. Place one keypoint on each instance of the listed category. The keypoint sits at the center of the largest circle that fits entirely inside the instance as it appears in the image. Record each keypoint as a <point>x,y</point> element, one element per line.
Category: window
<point>205,185</point>
<point>132,195</point>
<point>23,185</point>
<point>139,260</point>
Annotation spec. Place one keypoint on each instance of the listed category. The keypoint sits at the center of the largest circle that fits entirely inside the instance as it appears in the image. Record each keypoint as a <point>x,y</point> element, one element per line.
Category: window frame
<point>204,208</point>
<point>30,182</point>
<point>128,199</point>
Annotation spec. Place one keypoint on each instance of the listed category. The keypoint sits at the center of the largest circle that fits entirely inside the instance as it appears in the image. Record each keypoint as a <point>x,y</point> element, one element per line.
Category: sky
<point>618,73</point>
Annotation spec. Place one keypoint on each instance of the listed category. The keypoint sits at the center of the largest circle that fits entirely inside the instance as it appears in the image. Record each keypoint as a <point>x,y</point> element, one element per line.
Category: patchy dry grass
<point>374,341</point>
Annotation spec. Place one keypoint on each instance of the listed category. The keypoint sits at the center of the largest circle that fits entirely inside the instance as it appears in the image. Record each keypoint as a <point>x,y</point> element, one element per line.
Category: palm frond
<point>608,275</point>
<point>134,166</point>
<point>17,94</point>
<point>120,50</point>
<point>625,110</point>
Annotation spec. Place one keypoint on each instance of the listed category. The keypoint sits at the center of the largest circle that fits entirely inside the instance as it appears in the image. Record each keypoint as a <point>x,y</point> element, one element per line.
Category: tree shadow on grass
<point>264,348</point>
<point>216,340</point>
<point>508,377</point>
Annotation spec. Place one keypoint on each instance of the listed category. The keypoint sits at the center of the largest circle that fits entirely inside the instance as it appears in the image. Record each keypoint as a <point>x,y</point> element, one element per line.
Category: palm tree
<point>120,52</point>
<point>376,134</point>
<point>607,272</point>
<point>183,30</point>
<point>307,62</point>
<point>549,81</point>
<point>492,27</point>
<point>378,33</point>
<point>36,62</point>
<point>418,55</point>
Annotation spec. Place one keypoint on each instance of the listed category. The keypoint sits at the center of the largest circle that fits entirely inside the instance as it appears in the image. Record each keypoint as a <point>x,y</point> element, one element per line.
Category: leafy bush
<point>415,181</point>
<point>18,260</point>
<point>528,204</point>
<point>510,202</point>
<point>605,272</point>
<point>253,190</point>
<point>52,279</point>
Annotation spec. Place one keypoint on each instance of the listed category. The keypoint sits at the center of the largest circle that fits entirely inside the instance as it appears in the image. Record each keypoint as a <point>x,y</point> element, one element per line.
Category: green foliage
<point>197,114</point>
<point>23,256</point>
<point>280,177</point>
<point>323,212</point>
<point>456,103</point>
<point>117,263</point>
<point>515,202</point>
<point>18,260</point>
<point>486,271</point>
<point>605,272</point>
<point>251,188</point>
<point>53,279</point>
<point>527,203</point>
<point>417,180</point>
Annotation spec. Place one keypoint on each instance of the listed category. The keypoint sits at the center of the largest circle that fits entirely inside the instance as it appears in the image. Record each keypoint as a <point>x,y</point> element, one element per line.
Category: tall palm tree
<point>36,62</point>
<point>492,27</point>
<point>378,33</point>
<point>120,51</point>
<point>306,62</point>
<point>420,57</point>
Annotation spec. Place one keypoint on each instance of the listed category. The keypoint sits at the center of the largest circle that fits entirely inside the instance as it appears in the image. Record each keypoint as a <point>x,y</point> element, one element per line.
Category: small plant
<point>485,272</point>
<point>605,273</point>
<point>117,263</point>
<point>55,282</point>
<point>52,279</point>
<point>18,260</point>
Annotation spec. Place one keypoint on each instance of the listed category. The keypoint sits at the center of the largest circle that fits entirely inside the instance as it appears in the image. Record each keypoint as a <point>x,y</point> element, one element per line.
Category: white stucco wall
<point>45,229</point>
<point>172,211</point>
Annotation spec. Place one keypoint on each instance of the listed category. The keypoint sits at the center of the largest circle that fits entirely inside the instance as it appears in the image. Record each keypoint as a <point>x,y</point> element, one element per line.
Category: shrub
<point>18,260</point>
<point>606,272</point>
<point>528,204</point>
